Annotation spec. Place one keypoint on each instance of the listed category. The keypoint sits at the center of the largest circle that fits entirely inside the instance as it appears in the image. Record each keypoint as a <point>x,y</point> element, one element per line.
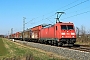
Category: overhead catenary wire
<point>53,11</point>
<point>44,19</point>
<point>48,18</point>
<point>31,20</point>
<point>75,15</point>
<point>76,5</point>
<point>63,10</point>
<point>66,17</point>
<point>64,6</point>
<point>79,10</point>
<point>72,6</point>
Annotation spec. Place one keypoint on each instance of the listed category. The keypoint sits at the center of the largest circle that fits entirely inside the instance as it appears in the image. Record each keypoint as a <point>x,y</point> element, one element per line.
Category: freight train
<point>57,34</point>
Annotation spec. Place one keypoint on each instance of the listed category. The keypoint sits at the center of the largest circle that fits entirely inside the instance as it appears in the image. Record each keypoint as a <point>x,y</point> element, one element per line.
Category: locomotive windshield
<point>63,27</point>
<point>70,27</point>
<point>67,27</point>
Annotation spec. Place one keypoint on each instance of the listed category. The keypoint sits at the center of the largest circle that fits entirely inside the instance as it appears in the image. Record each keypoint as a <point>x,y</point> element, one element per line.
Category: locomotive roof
<point>64,22</point>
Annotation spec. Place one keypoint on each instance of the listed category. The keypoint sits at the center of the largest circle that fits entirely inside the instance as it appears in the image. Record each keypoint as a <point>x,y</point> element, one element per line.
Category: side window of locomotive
<point>63,27</point>
<point>70,27</point>
<point>56,27</point>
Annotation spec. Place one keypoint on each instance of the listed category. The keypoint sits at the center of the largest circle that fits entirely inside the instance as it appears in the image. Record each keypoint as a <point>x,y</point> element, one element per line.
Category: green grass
<point>3,50</point>
<point>13,49</point>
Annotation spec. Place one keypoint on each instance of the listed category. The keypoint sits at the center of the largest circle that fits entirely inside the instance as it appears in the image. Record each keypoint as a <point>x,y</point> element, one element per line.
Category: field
<point>13,50</point>
<point>3,50</point>
<point>83,41</point>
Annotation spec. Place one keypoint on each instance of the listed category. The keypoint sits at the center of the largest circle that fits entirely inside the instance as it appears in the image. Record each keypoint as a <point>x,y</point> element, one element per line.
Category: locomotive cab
<point>65,33</point>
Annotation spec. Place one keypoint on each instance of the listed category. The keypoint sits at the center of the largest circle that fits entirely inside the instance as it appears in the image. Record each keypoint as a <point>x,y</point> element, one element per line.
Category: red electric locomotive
<point>59,34</point>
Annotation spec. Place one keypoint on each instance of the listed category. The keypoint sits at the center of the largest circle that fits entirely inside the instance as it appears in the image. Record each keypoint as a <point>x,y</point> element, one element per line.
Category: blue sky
<point>42,11</point>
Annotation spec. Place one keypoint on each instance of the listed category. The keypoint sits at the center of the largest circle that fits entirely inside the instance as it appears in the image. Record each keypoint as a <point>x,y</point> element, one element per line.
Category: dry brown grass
<point>83,40</point>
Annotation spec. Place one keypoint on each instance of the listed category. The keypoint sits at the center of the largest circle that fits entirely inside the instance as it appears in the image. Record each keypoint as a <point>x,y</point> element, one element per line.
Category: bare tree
<point>88,33</point>
<point>83,32</point>
<point>77,31</point>
<point>84,35</point>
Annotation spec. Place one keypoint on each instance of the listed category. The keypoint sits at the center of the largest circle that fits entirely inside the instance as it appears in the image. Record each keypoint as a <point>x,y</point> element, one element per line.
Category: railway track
<point>81,48</point>
<point>85,48</point>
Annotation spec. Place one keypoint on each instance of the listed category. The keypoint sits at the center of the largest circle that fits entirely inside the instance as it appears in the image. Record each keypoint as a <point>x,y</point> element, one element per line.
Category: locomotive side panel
<point>47,33</point>
<point>51,32</point>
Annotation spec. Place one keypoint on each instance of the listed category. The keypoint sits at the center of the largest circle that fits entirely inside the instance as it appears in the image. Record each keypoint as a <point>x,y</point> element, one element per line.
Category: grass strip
<point>3,50</point>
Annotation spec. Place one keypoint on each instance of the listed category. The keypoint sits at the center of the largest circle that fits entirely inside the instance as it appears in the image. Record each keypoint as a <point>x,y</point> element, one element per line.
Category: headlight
<point>62,36</point>
<point>72,36</point>
<point>72,33</point>
<point>63,33</point>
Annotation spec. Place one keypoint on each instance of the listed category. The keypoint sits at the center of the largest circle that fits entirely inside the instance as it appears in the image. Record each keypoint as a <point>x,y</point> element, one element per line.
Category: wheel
<point>71,44</point>
<point>60,43</point>
<point>55,43</point>
<point>46,42</point>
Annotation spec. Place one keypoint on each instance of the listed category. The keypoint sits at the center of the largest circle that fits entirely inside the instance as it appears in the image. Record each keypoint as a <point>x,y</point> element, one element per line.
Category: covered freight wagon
<point>34,33</point>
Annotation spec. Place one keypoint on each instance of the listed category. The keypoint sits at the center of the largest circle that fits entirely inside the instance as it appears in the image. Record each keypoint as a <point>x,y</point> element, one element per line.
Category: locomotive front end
<point>68,35</point>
